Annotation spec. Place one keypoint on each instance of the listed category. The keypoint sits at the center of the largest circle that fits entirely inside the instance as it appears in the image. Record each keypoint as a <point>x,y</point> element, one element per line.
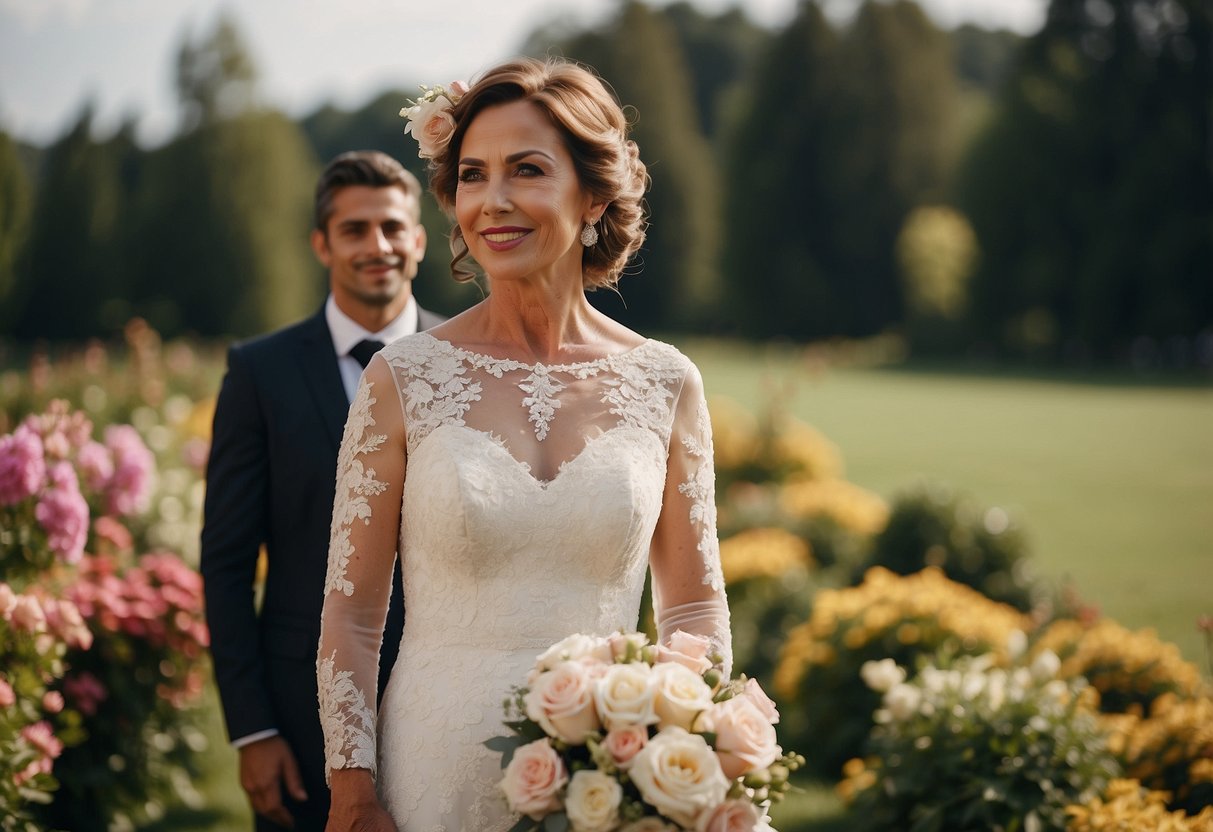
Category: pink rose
<point>623,744</point>
<point>745,738</point>
<point>22,465</point>
<point>7,696</point>
<point>52,702</point>
<point>562,702</point>
<point>8,600</point>
<point>40,736</point>
<point>687,650</point>
<point>731,816</point>
<point>533,780</point>
<point>28,615</point>
<point>96,465</point>
<point>459,89</point>
<point>431,124</point>
<point>754,692</point>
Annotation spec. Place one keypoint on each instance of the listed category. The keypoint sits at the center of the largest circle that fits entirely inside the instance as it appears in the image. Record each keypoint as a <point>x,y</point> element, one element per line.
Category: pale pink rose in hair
<point>459,89</point>
<point>52,702</point>
<point>431,125</point>
<point>754,692</point>
<point>731,816</point>
<point>688,650</point>
<point>745,739</point>
<point>533,780</point>
<point>562,702</point>
<point>63,513</point>
<point>624,743</point>
<point>7,697</point>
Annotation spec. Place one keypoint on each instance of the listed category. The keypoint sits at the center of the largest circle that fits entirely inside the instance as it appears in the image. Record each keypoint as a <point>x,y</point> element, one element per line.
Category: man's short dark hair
<point>362,167</point>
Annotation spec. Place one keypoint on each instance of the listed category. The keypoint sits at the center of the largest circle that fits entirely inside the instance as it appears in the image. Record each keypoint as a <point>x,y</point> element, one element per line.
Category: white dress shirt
<point>346,335</point>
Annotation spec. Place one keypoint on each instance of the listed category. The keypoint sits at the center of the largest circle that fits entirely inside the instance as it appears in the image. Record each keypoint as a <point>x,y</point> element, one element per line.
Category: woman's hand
<point>355,806</point>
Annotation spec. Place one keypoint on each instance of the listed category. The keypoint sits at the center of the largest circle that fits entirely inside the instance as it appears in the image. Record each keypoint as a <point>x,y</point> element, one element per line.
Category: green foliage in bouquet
<point>968,745</point>
<point>826,703</point>
<point>977,547</point>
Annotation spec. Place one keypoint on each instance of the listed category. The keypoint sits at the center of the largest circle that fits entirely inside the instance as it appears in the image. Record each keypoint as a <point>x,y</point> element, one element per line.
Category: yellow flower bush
<point>1171,750</point>
<point>850,506</point>
<point>827,706</point>
<point>1130,669</point>
<point>763,552</point>
<point>1128,807</point>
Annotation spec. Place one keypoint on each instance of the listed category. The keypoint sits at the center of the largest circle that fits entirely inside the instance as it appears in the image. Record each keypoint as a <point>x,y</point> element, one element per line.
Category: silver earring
<point>589,235</point>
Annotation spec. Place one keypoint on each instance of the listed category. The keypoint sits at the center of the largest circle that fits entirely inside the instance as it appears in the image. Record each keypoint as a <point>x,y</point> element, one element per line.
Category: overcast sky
<point>54,54</point>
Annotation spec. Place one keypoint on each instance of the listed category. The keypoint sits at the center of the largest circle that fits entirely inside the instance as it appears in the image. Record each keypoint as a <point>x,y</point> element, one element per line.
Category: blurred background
<point>947,268</point>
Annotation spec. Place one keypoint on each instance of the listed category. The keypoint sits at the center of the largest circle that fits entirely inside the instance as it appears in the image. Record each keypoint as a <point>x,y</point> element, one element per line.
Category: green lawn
<point>1112,478</point>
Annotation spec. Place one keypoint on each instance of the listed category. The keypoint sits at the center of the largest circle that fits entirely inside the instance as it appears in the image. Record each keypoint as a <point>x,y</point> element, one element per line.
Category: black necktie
<point>363,350</point>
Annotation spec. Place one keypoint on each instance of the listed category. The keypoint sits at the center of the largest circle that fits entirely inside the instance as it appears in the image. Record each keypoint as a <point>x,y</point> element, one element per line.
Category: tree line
<point>1047,196</point>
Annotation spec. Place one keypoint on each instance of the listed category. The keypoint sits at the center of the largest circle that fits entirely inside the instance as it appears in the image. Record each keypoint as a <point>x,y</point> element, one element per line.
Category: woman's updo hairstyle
<point>595,132</point>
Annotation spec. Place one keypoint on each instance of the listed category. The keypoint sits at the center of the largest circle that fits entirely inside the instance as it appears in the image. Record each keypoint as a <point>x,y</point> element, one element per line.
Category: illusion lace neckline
<point>487,360</point>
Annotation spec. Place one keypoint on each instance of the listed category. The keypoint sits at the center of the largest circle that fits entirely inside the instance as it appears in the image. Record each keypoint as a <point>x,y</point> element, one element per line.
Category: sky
<point>57,54</point>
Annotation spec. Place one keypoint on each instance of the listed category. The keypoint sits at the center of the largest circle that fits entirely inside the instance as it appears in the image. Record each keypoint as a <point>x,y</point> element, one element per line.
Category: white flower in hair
<point>429,117</point>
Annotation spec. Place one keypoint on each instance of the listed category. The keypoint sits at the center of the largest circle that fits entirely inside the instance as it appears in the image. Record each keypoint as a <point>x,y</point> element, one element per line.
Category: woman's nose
<point>497,198</point>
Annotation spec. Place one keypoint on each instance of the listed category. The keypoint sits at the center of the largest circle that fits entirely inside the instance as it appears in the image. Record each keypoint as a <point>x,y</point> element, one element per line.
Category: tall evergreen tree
<point>1092,193</point>
<point>779,260</point>
<point>77,265</point>
<point>676,281</point>
<point>15,206</point>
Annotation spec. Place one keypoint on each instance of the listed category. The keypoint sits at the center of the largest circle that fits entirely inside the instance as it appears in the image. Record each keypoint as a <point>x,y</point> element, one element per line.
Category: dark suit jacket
<point>270,480</point>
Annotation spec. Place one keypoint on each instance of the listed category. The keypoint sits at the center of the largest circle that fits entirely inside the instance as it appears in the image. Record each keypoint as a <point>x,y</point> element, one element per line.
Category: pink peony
<point>42,737</point>
<point>7,696</point>
<point>130,488</point>
<point>96,465</point>
<point>8,600</point>
<point>22,465</point>
<point>27,614</point>
<point>63,513</point>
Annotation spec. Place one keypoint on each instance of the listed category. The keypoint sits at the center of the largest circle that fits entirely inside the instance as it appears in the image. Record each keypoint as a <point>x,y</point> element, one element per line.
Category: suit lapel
<point>319,365</point>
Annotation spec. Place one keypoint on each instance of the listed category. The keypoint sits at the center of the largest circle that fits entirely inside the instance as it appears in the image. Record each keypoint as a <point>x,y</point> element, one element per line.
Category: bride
<point>529,459</point>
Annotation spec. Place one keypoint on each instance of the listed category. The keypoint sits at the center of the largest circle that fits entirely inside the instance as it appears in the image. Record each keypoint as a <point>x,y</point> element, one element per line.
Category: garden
<point>978,599</point>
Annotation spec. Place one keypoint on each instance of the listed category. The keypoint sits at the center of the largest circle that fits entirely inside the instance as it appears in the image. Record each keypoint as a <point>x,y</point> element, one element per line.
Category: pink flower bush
<point>130,488</point>
<point>85,691</point>
<point>63,513</point>
<point>22,466</point>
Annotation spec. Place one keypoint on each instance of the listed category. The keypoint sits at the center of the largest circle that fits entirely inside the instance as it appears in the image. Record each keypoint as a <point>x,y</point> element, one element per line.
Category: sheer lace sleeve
<point>362,553</point>
<point>688,585</point>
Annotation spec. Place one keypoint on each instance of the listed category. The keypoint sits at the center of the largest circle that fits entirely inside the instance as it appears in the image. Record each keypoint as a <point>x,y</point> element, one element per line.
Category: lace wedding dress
<point>536,498</point>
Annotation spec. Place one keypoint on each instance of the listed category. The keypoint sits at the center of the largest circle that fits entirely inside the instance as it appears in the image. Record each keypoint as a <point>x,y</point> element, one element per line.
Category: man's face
<point>371,245</point>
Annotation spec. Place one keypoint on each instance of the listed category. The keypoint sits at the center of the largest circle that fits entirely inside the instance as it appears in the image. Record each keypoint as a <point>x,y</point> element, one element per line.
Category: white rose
<point>679,775</point>
<point>731,816</point>
<point>592,801</point>
<point>625,695</point>
<point>882,675</point>
<point>903,700</point>
<point>562,702</point>
<point>745,739</point>
<point>533,780</point>
<point>576,647</point>
<point>681,695</point>
<point>1046,665</point>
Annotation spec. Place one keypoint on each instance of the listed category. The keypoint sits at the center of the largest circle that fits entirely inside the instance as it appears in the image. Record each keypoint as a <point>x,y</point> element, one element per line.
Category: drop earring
<point>589,235</point>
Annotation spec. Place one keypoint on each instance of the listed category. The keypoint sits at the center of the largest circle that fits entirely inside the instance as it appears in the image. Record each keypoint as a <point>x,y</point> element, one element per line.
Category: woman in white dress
<point>529,460</point>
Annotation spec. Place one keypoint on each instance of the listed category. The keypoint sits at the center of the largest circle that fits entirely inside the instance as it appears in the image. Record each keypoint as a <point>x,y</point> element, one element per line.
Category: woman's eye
<point>527,169</point>
<point>470,175</point>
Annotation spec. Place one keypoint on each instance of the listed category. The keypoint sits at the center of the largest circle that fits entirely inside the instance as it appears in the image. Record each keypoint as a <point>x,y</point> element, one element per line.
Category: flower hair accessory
<point>429,117</point>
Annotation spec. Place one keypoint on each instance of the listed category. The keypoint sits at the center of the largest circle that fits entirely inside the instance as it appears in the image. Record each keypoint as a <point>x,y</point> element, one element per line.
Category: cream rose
<point>625,696</point>
<point>562,702</point>
<point>573,648</point>
<point>679,775</point>
<point>533,780</point>
<point>754,692</point>
<point>882,675</point>
<point>431,124</point>
<point>592,801</point>
<point>681,695</point>
<point>625,743</point>
<point>688,650</point>
<point>745,739</point>
<point>902,701</point>
<point>731,816</point>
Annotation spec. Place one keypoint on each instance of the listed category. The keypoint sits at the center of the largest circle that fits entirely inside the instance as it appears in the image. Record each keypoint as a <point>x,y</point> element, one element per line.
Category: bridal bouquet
<point>619,734</point>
